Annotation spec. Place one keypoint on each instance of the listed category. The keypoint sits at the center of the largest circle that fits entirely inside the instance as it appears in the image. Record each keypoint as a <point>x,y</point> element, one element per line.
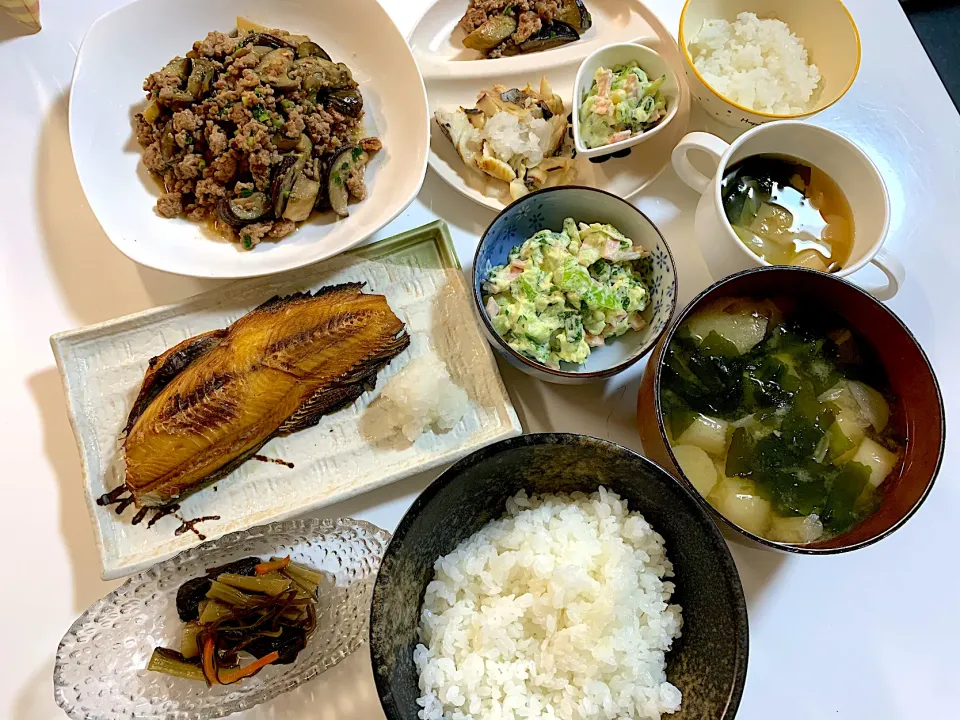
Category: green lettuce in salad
<point>560,294</point>
<point>621,103</point>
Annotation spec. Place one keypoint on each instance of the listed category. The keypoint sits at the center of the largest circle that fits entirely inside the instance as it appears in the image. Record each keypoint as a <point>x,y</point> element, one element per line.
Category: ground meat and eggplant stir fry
<point>255,130</point>
<point>498,28</point>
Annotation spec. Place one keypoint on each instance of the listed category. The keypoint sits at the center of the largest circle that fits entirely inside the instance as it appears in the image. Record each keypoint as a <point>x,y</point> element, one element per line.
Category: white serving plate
<point>127,44</point>
<point>102,367</point>
<point>454,75</point>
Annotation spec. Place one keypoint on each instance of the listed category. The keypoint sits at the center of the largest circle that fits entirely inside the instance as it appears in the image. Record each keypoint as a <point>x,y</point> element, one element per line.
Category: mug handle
<point>705,142</point>
<point>893,269</point>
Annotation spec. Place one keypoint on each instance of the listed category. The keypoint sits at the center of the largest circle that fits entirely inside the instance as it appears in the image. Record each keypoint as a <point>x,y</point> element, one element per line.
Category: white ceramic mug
<point>839,158</point>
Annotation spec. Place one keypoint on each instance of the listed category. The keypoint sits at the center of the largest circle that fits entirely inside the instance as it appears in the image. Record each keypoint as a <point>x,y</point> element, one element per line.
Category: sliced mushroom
<point>345,166</point>
<point>346,102</point>
<point>551,35</point>
<point>241,211</point>
<point>493,32</point>
<point>303,195</point>
<point>201,77</point>
<point>311,49</point>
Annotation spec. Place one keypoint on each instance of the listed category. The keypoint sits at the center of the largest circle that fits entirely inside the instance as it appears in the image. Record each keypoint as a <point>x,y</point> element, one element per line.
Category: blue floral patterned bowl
<point>546,209</point>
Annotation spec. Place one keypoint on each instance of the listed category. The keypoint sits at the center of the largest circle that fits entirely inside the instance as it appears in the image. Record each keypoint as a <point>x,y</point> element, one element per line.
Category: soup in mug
<point>788,212</point>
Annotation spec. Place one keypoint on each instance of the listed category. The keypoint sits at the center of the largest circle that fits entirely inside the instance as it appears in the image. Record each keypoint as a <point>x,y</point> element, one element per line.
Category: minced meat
<point>257,104</point>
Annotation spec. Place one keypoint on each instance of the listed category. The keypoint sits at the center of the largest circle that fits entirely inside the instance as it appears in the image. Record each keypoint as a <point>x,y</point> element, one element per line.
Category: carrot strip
<point>268,567</point>
<point>209,664</point>
<point>231,675</point>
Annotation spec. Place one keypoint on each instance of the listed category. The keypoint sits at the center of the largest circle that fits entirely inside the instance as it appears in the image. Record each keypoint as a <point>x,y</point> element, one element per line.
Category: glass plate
<point>101,662</point>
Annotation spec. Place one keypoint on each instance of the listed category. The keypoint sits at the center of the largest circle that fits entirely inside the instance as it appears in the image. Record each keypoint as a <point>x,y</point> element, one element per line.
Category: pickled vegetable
<point>263,609</point>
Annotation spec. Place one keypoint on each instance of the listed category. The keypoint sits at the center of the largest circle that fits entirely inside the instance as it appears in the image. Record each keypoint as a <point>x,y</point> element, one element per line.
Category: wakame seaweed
<point>785,436</point>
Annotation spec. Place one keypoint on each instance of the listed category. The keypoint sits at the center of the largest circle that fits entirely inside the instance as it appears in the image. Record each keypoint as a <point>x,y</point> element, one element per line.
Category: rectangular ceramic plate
<point>102,367</point>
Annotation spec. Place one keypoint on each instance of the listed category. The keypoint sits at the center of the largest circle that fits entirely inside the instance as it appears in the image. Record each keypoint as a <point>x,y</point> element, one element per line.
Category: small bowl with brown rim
<point>910,374</point>
<point>546,210</point>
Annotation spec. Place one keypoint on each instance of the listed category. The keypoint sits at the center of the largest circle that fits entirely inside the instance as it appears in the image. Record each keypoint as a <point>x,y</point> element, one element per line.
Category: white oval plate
<point>454,75</point>
<point>126,45</point>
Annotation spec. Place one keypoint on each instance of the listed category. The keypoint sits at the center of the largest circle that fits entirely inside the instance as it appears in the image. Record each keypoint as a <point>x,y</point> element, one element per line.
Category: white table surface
<point>873,634</point>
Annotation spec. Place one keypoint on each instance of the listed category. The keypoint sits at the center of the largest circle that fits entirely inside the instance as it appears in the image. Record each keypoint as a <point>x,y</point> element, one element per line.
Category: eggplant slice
<point>575,14</point>
<point>311,49</point>
<point>276,370</point>
<point>346,174</point>
<point>551,35</point>
<point>303,196</point>
<point>241,211</point>
<point>346,102</point>
<point>493,32</point>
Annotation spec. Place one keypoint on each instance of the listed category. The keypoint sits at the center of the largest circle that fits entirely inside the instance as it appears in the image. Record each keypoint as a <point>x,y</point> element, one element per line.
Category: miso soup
<point>780,417</point>
<point>788,212</point>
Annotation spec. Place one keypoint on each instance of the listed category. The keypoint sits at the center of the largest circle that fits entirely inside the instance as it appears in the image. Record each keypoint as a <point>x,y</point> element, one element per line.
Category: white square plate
<point>102,367</point>
<point>126,45</point>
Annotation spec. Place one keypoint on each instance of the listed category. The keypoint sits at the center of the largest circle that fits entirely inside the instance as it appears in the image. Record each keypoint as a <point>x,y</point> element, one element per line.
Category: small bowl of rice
<point>558,576</point>
<point>748,63</point>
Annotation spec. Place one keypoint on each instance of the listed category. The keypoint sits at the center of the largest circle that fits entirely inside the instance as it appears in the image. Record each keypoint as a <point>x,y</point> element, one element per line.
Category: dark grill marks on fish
<point>211,402</point>
<point>208,404</point>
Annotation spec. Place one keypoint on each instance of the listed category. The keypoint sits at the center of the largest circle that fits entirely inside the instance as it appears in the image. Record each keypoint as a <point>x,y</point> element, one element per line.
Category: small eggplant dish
<point>252,131</point>
<point>501,28</point>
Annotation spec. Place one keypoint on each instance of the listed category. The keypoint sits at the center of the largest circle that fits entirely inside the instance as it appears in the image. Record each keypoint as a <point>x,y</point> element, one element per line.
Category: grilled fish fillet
<point>209,403</point>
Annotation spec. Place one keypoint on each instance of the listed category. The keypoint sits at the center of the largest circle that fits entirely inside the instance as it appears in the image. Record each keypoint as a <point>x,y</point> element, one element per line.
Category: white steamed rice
<point>557,610</point>
<point>756,63</point>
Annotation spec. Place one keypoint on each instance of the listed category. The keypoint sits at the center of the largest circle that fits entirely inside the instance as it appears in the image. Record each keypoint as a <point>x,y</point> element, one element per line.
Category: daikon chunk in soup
<point>788,212</point>
<point>782,418</point>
